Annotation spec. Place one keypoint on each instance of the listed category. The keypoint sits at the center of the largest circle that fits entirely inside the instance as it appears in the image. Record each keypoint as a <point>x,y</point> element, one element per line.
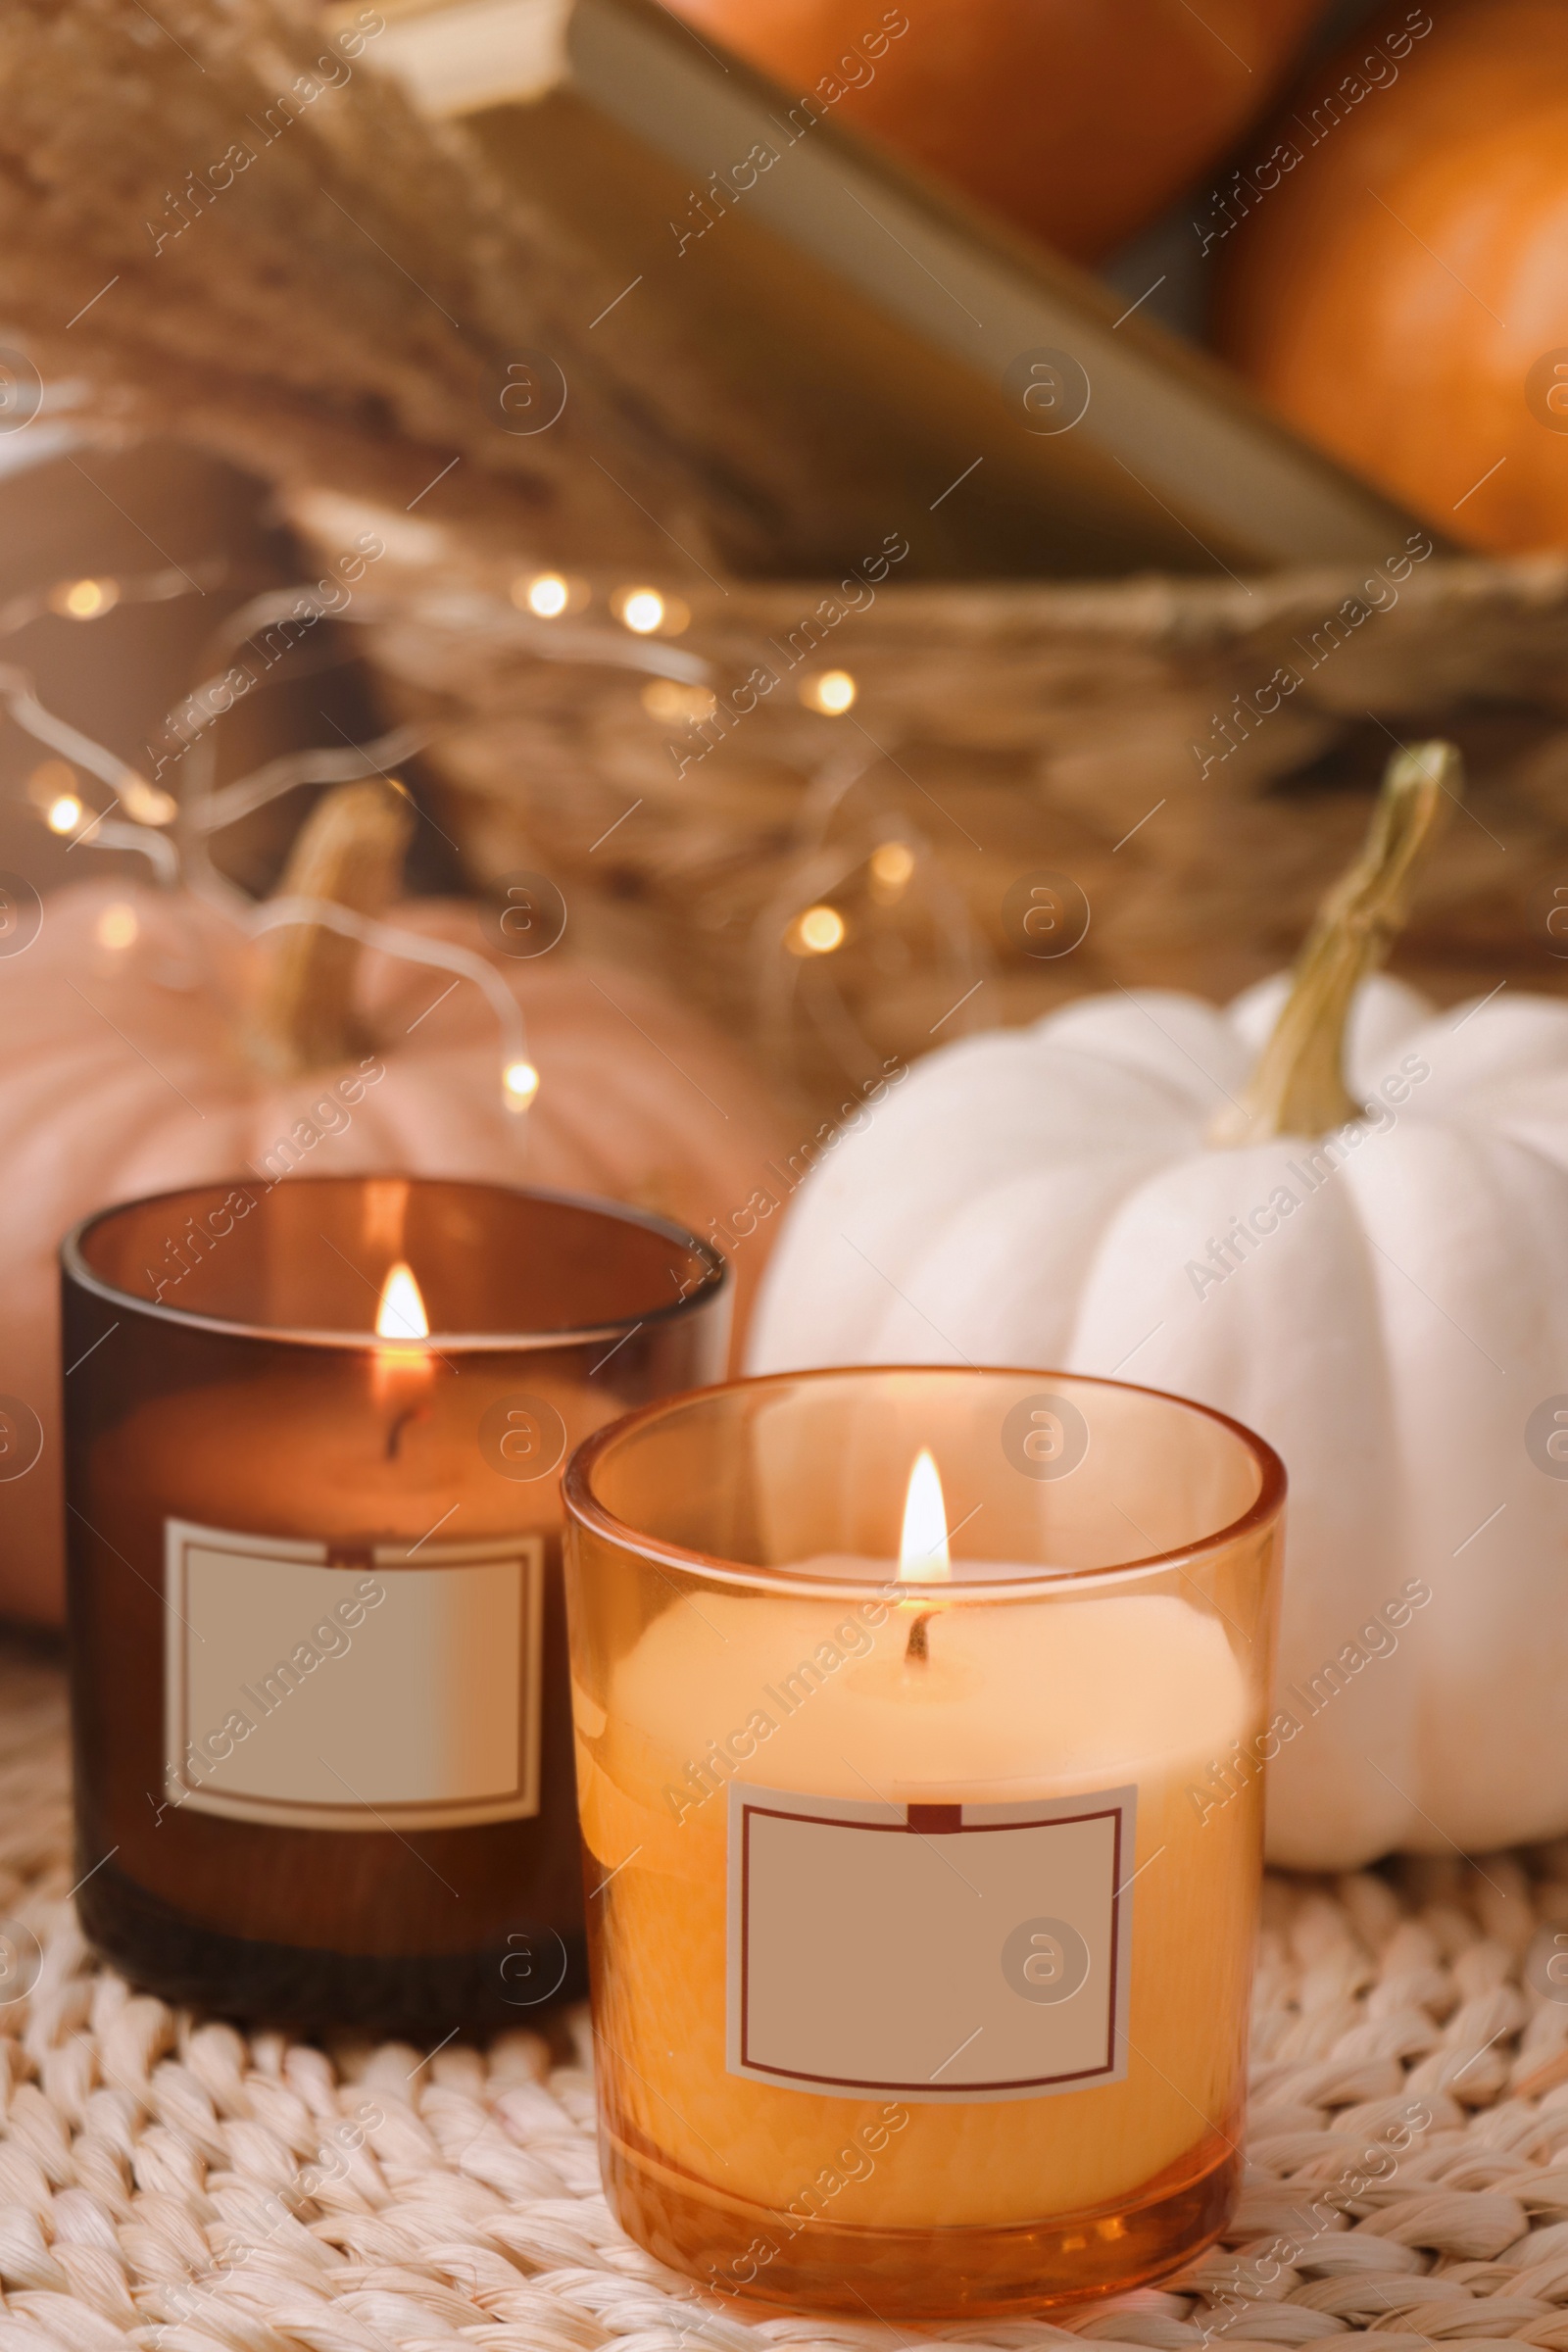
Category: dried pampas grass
<point>217,220</point>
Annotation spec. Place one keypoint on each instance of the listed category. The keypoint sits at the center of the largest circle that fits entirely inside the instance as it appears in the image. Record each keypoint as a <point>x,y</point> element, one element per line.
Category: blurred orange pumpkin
<point>1401,294</point>
<point>1078,122</point>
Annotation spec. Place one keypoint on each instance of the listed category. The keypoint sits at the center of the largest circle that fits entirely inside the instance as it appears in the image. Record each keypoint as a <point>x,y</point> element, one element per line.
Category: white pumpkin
<point>1388,1304</point>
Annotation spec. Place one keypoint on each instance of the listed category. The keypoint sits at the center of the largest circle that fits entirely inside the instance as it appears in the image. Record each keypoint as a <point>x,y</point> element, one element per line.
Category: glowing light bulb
<point>662,699</point>
<point>891,864</point>
<point>642,610</point>
<point>923,1545</point>
<point>519,1082</point>
<point>83,600</point>
<point>832,693</point>
<point>64,813</point>
<point>118,927</point>
<point>147,804</point>
<point>401,1314</point>
<point>816,932</point>
<point>547,595</point>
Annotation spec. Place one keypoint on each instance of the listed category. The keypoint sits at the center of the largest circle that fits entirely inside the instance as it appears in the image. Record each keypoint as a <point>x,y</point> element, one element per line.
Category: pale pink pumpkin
<point>125,1068</point>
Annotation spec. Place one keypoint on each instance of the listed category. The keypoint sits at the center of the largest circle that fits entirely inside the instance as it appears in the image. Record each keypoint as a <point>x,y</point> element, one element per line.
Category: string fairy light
<point>147,804</point>
<point>19,698</point>
<point>118,927</point>
<point>546,595</point>
<point>83,600</point>
<point>641,609</point>
<point>832,854</point>
<point>411,947</point>
<point>148,809</point>
<point>134,588</point>
<point>662,699</point>
<point>799,929</point>
<point>892,864</point>
<point>650,611</point>
<point>819,931</point>
<point>832,692</point>
<point>324,766</point>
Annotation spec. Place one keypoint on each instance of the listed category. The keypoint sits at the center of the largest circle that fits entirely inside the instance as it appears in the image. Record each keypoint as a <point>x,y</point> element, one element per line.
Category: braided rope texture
<point>175,2186</point>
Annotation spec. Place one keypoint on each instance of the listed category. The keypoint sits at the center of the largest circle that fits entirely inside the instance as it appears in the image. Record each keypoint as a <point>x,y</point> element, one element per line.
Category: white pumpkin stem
<point>1297,1087</point>
<point>350,850</point>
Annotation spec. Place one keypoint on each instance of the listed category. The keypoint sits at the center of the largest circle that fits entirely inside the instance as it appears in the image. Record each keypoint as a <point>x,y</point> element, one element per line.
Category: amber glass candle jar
<point>921,1980</point>
<point>324,1765</point>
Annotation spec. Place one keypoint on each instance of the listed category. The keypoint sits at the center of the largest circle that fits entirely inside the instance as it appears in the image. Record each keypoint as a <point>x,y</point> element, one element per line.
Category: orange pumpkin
<point>1401,294</point>
<point>1078,122</point>
<point>128,1065</point>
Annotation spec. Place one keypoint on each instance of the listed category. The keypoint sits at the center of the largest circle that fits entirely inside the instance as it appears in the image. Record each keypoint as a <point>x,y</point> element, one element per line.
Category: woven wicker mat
<point>168,2185</point>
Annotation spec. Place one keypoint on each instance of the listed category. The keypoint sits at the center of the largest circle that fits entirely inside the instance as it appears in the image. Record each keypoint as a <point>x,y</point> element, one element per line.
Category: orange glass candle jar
<point>324,1765</point>
<point>920,1977</point>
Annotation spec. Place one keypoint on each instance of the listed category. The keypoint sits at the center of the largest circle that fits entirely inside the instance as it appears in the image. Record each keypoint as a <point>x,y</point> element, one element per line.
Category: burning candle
<point>324,1759</point>
<point>920,1980</point>
<point>402,1369</point>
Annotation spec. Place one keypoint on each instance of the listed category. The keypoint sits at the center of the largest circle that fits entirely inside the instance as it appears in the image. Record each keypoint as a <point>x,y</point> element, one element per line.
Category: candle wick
<point>394,1435</point>
<point>915,1649</point>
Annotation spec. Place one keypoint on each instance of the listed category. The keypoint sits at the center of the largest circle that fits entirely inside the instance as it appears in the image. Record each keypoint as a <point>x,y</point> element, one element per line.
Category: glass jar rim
<point>716,1274</point>
<point>586,1509</point>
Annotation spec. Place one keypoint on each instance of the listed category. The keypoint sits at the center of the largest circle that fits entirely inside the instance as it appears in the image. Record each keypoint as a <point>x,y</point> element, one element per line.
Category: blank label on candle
<point>945,1952</point>
<point>381,1692</point>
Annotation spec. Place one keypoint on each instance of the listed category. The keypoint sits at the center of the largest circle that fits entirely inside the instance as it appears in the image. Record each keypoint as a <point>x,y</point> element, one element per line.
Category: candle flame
<point>923,1548</point>
<point>401,1314</point>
